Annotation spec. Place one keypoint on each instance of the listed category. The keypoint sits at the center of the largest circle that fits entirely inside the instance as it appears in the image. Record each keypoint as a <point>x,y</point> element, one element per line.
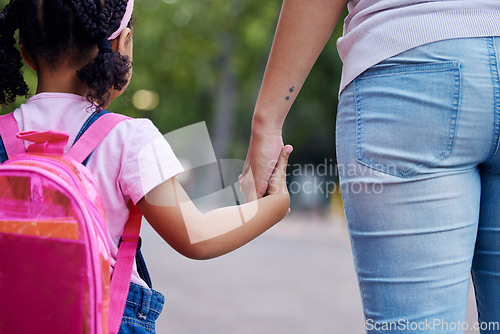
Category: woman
<point>418,126</point>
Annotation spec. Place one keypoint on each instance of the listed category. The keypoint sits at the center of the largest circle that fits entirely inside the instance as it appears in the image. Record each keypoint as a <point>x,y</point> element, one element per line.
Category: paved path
<point>297,278</point>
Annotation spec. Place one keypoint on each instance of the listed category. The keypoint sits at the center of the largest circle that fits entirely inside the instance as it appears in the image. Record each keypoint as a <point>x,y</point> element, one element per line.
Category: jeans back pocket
<point>406,116</point>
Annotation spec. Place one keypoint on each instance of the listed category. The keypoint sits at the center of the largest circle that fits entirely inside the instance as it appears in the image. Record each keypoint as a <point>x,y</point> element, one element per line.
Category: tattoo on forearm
<point>291,91</point>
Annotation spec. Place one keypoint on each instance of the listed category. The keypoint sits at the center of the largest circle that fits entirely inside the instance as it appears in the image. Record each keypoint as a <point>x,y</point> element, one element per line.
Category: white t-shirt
<point>121,176</point>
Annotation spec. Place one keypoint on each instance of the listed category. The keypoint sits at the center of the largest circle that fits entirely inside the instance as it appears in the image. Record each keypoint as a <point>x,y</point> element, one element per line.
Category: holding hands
<point>262,159</point>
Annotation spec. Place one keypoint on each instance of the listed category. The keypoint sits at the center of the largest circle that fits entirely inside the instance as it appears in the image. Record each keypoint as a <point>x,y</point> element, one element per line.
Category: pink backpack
<point>54,267</point>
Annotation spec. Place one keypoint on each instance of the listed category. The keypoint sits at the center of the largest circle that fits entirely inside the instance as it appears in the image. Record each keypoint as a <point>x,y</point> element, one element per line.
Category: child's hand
<point>277,182</point>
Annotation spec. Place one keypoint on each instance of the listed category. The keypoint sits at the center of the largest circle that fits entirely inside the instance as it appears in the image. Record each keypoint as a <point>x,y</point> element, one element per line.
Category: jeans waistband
<point>143,303</point>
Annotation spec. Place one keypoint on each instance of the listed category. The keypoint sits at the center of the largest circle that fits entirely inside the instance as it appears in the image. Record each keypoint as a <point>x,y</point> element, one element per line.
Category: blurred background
<point>202,61</point>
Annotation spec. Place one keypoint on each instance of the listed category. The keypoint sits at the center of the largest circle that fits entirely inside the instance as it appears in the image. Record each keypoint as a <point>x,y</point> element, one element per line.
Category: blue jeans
<point>417,147</point>
<point>141,311</point>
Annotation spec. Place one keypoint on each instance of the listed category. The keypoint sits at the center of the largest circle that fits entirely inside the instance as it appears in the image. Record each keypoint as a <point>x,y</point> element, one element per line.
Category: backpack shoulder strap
<point>95,133</point>
<point>86,142</point>
<point>8,130</point>
<point>120,281</point>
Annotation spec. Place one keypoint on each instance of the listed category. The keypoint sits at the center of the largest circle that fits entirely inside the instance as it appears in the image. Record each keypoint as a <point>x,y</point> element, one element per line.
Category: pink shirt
<point>121,176</point>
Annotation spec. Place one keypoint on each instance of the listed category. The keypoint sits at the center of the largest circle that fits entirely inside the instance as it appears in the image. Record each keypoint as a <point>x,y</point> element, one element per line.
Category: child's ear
<point>122,42</point>
<point>27,58</point>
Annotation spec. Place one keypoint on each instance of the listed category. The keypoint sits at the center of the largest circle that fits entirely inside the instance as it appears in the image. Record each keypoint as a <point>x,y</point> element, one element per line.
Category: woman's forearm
<point>303,29</point>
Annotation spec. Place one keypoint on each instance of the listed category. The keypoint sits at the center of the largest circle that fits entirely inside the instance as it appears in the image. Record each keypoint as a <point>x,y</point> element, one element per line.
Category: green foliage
<point>179,47</point>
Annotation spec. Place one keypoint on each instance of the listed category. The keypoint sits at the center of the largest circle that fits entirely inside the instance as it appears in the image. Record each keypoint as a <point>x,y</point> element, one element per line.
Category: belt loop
<point>146,302</point>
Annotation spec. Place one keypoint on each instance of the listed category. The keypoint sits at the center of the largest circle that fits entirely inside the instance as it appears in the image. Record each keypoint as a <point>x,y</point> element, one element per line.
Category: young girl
<point>81,51</point>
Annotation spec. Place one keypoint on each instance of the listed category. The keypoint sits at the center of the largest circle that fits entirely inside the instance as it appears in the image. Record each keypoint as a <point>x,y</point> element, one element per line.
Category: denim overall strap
<point>10,144</point>
<point>95,115</point>
<point>3,153</point>
<point>142,269</point>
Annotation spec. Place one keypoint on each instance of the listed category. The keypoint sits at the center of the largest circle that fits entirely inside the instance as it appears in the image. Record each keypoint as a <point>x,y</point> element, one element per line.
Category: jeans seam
<point>132,321</point>
<point>359,121</point>
<point>413,68</point>
<point>493,62</point>
<point>135,304</point>
<point>146,301</point>
<point>453,121</point>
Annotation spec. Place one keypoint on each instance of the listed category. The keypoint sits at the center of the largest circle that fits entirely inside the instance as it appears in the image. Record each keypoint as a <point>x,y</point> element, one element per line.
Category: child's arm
<point>172,214</point>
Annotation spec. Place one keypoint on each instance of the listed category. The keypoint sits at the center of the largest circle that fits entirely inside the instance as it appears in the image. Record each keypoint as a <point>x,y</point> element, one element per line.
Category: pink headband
<point>125,20</point>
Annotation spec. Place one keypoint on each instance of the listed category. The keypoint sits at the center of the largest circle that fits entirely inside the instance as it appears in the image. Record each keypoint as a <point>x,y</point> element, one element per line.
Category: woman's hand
<point>263,153</point>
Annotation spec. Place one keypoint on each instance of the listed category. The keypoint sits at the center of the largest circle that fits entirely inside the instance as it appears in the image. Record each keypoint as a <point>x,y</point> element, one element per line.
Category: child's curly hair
<point>53,29</point>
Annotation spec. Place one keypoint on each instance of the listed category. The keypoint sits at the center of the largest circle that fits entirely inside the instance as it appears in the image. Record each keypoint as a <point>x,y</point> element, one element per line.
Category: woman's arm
<point>172,214</point>
<point>303,29</point>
